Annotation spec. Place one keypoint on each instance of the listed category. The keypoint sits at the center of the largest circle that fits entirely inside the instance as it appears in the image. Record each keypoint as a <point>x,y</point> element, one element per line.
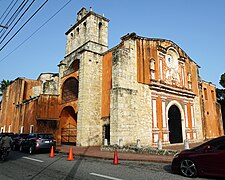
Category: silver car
<point>38,141</point>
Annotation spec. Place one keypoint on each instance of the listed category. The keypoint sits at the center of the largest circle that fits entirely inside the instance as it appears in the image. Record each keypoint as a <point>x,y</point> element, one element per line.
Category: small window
<point>148,52</point>
<point>205,94</point>
<point>99,31</point>
<point>169,59</point>
<point>100,26</point>
<point>213,95</point>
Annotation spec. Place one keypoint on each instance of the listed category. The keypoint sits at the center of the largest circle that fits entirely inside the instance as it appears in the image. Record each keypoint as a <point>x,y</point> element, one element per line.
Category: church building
<point>141,91</point>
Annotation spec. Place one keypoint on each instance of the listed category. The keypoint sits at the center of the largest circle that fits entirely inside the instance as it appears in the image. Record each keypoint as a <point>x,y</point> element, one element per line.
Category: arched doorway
<point>68,125</point>
<point>175,126</point>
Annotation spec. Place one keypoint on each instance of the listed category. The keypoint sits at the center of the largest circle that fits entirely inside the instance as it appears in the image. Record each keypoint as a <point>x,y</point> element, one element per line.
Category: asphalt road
<point>21,166</point>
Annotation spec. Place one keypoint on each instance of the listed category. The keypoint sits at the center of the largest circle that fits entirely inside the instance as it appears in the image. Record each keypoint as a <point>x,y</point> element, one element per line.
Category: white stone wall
<point>89,129</point>
<point>198,118</point>
<point>130,102</point>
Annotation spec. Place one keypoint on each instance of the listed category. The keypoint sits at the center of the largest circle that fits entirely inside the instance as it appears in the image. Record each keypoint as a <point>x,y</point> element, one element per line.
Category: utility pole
<point>6,27</point>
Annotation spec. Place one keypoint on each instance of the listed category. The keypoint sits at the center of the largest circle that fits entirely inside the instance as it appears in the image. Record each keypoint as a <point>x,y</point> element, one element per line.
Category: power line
<point>17,22</point>
<point>9,10</point>
<point>6,9</point>
<point>14,16</point>
<point>23,25</point>
<point>36,30</point>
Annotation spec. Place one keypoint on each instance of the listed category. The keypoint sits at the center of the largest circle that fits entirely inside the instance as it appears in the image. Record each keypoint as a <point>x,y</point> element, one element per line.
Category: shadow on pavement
<point>168,169</point>
<point>73,171</point>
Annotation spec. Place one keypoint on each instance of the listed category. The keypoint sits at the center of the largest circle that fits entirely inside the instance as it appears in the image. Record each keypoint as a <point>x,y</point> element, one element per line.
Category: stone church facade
<point>141,91</point>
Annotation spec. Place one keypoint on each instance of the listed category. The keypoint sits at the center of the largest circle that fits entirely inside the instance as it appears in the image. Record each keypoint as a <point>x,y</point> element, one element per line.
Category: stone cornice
<point>79,49</point>
<point>161,49</point>
<point>168,89</point>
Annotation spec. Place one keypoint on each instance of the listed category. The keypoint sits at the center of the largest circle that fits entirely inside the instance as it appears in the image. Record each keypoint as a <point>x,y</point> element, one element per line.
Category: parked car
<point>16,140</point>
<point>37,141</point>
<point>206,159</point>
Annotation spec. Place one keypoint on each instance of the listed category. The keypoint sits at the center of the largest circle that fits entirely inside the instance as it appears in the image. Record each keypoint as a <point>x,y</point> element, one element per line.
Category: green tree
<point>220,93</point>
<point>222,80</point>
<point>3,85</point>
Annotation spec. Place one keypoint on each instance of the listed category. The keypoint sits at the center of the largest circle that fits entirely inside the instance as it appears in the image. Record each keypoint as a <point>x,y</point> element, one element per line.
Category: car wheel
<point>31,150</point>
<point>188,168</point>
<point>21,148</point>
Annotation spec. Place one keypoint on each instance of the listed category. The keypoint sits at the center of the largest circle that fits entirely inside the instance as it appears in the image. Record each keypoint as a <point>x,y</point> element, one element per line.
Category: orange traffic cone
<point>70,156</point>
<point>52,155</point>
<point>115,161</point>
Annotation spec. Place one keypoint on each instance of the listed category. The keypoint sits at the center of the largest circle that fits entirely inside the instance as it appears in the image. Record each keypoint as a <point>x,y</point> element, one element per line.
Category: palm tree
<point>3,85</point>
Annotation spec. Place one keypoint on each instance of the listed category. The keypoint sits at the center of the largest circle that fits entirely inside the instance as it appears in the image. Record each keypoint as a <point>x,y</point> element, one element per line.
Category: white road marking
<point>33,159</point>
<point>104,176</point>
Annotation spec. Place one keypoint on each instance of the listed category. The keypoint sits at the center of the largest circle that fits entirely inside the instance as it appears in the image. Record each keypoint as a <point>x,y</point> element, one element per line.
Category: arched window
<point>78,30</point>
<point>100,31</point>
<point>70,90</point>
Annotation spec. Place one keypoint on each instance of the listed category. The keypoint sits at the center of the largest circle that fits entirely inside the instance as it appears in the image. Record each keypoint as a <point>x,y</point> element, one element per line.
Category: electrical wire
<point>6,10</point>
<point>36,31</point>
<point>17,22</point>
<point>23,25</point>
<point>9,10</point>
<point>14,16</point>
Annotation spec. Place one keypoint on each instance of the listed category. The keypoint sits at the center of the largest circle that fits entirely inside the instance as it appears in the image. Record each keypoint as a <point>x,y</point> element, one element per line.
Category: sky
<point>197,26</point>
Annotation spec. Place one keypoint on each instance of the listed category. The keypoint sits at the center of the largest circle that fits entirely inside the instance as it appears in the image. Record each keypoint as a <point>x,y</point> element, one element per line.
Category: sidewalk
<point>95,152</point>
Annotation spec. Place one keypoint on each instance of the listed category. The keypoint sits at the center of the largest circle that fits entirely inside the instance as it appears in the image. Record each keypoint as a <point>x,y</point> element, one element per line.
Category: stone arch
<point>175,115</point>
<point>68,125</point>
<point>70,90</point>
<point>74,66</point>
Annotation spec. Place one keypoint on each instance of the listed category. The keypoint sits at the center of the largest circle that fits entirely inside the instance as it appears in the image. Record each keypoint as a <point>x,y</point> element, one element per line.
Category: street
<point>41,166</point>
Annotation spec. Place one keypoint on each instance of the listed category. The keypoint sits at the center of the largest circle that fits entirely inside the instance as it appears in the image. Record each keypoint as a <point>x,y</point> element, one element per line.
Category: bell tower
<point>90,32</point>
<point>86,40</point>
